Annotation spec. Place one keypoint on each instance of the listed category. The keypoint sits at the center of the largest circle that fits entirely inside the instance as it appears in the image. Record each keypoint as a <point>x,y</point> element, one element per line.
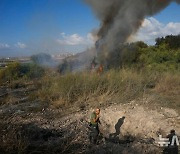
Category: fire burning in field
<point>122,18</point>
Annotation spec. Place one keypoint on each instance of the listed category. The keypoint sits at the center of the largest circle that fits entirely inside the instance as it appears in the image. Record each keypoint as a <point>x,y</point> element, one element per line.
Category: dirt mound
<point>140,121</point>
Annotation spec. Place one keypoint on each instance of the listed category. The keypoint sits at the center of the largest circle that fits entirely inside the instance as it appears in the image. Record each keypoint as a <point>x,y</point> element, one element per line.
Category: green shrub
<point>11,72</point>
<point>160,58</point>
<point>15,71</point>
<point>32,71</point>
<point>164,56</point>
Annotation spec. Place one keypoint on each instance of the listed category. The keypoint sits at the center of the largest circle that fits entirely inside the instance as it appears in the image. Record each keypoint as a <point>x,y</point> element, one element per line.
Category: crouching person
<point>94,128</point>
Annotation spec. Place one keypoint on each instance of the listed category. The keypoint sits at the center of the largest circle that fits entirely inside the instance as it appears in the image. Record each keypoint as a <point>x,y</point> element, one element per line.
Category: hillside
<point>44,110</point>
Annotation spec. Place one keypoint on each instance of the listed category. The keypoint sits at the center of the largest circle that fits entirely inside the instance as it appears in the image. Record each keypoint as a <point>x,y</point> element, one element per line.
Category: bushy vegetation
<point>173,42</point>
<point>15,71</point>
<point>126,55</point>
<point>65,67</point>
<point>160,58</point>
<point>32,71</point>
<point>164,56</point>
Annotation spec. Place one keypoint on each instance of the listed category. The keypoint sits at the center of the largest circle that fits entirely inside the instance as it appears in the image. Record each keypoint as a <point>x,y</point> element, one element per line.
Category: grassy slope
<point>72,92</point>
<point>81,89</point>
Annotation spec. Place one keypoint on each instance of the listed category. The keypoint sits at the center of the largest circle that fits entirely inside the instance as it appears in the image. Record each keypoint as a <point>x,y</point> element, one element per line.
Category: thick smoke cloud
<point>122,18</point>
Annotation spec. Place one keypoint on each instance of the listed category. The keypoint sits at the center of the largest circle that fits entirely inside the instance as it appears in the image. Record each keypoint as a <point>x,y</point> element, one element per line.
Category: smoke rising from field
<point>122,18</point>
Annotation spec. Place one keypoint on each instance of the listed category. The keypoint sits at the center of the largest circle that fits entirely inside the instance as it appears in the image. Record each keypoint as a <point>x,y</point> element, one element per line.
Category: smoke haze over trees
<point>122,18</point>
<point>164,56</point>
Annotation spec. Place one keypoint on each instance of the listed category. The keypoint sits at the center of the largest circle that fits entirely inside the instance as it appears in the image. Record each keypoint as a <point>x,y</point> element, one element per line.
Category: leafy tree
<point>173,42</point>
<point>125,55</point>
<point>16,71</point>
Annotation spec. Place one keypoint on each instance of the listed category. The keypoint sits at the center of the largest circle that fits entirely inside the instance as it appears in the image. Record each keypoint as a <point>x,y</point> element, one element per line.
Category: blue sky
<point>32,26</point>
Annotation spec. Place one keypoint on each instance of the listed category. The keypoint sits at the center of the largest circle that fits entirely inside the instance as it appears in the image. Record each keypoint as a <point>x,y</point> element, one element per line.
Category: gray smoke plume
<point>122,18</point>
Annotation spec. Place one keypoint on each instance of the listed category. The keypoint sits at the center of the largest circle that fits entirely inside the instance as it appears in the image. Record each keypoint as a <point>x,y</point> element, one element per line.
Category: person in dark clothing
<point>173,146</point>
<point>94,128</point>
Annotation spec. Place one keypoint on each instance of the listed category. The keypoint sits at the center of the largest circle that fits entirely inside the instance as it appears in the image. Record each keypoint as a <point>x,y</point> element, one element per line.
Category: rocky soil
<point>126,129</point>
<point>35,127</point>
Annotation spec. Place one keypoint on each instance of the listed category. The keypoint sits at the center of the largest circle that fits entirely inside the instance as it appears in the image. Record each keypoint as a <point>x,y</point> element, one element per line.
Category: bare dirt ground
<point>126,129</point>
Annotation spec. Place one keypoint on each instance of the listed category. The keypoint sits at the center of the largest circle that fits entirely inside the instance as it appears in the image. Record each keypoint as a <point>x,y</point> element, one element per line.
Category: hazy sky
<point>56,26</point>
